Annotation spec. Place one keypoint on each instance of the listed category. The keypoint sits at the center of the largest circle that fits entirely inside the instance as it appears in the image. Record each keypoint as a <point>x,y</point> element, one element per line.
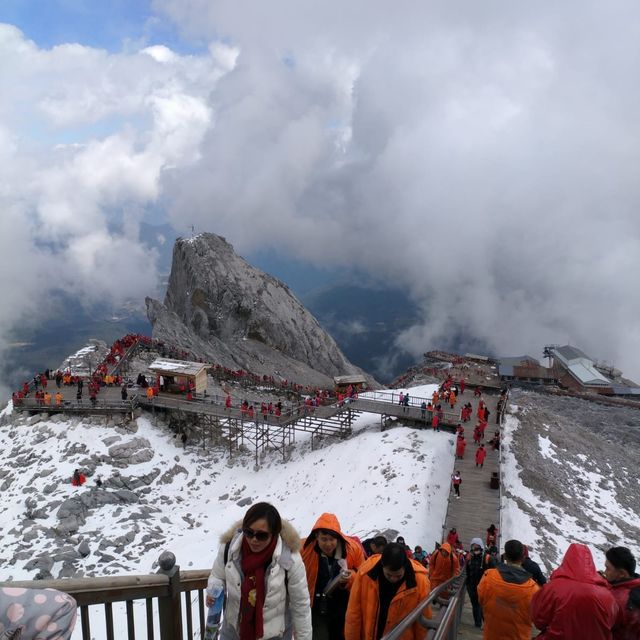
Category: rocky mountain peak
<point>226,311</point>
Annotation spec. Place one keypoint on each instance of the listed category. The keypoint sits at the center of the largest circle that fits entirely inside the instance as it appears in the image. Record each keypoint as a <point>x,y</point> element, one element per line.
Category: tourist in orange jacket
<point>577,602</point>
<point>505,594</point>
<point>387,587</point>
<point>327,554</point>
<point>443,565</point>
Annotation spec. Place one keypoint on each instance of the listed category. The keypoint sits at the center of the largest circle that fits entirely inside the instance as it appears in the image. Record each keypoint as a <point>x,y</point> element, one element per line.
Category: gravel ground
<point>560,446</point>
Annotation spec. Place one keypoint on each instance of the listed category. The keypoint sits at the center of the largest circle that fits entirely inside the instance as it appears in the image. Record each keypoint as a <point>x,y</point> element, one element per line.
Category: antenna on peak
<point>193,231</point>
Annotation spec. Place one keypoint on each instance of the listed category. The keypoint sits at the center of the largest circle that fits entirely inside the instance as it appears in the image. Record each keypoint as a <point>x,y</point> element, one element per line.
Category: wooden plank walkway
<point>108,400</point>
<point>479,505</point>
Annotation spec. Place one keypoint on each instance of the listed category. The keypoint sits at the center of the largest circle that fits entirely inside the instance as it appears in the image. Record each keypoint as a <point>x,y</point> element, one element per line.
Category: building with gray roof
<point>580,370</point>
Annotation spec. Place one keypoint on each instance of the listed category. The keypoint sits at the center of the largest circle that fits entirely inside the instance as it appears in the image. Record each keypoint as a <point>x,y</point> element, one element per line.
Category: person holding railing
<point>262,576</point>
<point>386,589</point>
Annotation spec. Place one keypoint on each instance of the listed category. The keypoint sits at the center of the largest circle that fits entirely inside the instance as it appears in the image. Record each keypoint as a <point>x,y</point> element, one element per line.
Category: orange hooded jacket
<point>362,612</point>
<point>346,548</point>
<point>442,568</point>
<point>505,594</point>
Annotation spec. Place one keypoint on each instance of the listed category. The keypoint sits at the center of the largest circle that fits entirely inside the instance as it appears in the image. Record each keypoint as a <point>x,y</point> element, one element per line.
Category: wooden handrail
<point>89,591</point>
<point>166,586</point>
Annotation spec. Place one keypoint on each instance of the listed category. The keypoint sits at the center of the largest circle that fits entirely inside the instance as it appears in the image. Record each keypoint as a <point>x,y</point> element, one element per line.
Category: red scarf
<point>252,591</point>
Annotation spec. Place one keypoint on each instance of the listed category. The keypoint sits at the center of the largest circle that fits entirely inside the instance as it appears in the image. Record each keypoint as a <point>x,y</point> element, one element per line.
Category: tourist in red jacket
<point>576,603</point>
<point>492,536</point>
<point>620,572</point>
<point>454,539</point>
<point>481,454</point>
<point>460,447</point>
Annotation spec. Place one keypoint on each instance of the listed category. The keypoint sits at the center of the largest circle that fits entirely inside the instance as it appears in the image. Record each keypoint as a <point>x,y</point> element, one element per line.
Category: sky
<point>484,160</point>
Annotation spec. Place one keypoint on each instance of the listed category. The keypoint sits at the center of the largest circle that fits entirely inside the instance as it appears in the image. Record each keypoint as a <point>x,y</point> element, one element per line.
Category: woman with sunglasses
<point>263,577</point>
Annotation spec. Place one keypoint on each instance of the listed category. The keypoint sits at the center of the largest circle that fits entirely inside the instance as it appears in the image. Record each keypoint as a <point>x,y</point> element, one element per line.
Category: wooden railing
<point>161,593</point>
<point>172,615</point>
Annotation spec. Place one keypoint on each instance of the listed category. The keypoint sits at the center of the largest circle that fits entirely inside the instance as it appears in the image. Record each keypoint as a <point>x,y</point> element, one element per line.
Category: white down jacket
<point>286,600</point>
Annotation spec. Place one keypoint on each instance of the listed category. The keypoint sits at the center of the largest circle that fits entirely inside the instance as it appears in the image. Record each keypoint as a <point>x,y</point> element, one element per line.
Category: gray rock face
<point>226,311</point>
<point>72,512</point>
<point>135,451</point>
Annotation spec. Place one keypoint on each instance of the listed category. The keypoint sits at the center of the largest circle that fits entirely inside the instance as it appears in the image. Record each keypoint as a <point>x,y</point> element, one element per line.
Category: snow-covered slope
<point>571,475</point>
<point>157,496</point>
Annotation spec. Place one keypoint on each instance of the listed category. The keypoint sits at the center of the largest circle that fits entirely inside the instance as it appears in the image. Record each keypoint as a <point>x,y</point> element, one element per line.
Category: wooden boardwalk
<point>479,505</point>
<point>109,401</point>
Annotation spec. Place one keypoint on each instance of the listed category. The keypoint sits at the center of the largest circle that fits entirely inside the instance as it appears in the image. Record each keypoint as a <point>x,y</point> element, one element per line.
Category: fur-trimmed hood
<point>290,537</point>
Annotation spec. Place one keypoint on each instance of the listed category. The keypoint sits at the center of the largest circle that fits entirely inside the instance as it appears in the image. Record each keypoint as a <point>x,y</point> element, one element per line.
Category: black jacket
<point>534,569</point>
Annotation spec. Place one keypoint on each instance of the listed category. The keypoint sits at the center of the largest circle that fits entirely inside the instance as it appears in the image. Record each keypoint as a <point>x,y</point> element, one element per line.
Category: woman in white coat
<point>263,577</point>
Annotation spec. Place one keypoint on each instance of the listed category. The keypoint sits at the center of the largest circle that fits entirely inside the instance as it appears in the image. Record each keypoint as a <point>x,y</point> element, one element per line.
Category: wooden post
<point>169,607</point>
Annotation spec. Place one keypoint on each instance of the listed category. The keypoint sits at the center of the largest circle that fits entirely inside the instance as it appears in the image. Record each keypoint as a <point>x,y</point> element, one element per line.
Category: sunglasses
<point>260,536</point>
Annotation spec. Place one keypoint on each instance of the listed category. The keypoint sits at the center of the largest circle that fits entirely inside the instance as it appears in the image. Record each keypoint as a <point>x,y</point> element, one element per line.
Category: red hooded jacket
<point>577,602</point>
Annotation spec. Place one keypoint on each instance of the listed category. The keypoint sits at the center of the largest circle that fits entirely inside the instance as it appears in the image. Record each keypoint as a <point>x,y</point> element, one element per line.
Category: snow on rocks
<point>570,475</point>
<point>156,496</point>
<point>135,451</point>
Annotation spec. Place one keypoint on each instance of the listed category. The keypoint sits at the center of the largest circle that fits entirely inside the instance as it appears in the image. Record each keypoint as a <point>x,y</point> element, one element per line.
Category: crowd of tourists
<point>107,374</point>
<point>331,586</point>
<point>267,582</point>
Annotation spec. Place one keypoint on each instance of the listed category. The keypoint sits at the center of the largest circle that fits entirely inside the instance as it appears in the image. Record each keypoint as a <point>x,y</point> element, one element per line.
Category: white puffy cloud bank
<point>484,157</point>
<point>85,136</point>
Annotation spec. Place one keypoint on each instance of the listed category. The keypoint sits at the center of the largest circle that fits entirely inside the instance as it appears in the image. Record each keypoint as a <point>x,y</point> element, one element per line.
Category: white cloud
<point>483,158</point>
<point>85,136</point>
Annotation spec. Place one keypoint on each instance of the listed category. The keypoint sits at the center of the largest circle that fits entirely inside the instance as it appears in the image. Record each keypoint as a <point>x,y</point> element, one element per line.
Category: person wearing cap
<point>620,572</point>
<point>477,563</point>
<point>329,555</point>
<point>386,589</point>
<point>577,601</point>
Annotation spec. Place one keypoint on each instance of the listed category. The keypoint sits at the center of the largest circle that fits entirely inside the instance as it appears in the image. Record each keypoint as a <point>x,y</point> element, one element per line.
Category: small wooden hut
<point>178,373</point>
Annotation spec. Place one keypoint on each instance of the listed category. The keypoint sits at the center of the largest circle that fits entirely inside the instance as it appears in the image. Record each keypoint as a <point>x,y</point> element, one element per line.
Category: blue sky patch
<point>115,25</point>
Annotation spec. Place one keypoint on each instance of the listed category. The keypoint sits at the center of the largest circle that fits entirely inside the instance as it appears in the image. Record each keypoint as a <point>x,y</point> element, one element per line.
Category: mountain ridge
<point>224,310</point>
